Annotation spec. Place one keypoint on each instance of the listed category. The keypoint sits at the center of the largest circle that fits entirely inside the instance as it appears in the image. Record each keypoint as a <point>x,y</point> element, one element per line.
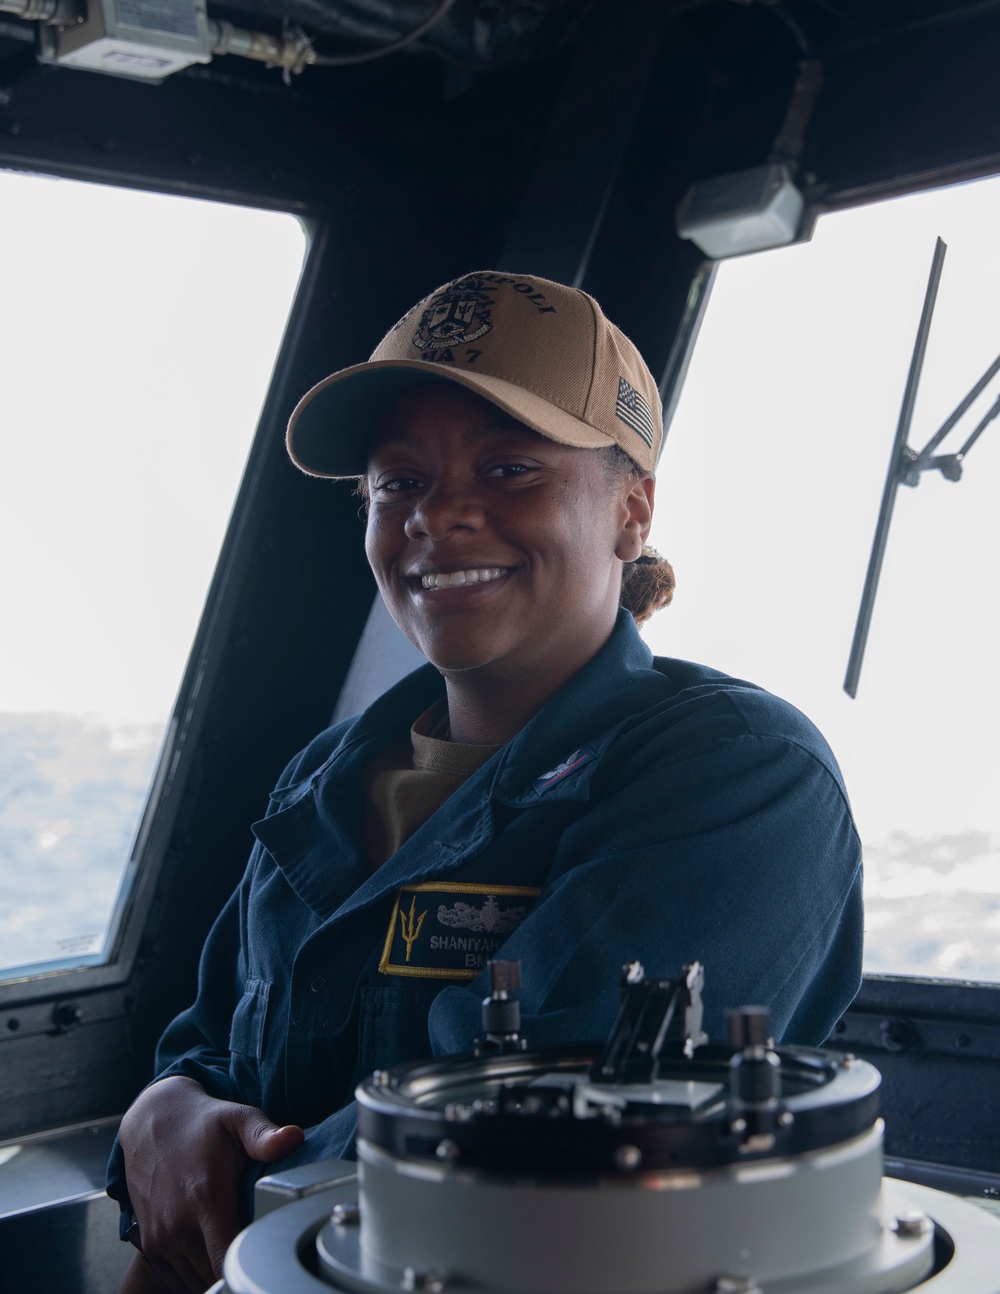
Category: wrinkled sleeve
<point>742,855</point>
<point>196,1043</point>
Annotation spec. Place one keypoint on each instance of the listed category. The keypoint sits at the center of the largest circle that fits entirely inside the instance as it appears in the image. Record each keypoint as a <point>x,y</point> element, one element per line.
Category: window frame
<point>143,870</point>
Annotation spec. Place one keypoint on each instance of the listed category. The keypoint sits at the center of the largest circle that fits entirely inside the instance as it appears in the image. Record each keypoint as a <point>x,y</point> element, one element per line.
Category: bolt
<point>848,1059</point>
<point>758,1143</point>
<point>912,1224</point>
<point>346,1215</point>
<point>380,1078</point>
<point>785,1119</point>
<point>66,1016</point>
<point>447,1149</point>
<point>628,1158</point>
<point>431,1281</point>
<point>897,1035</point>
<point>962,1040</point>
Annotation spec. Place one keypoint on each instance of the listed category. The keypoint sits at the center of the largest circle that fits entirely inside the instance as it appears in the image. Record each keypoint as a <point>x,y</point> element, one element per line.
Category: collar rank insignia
<point>443,930</point>
<point>569,765</point>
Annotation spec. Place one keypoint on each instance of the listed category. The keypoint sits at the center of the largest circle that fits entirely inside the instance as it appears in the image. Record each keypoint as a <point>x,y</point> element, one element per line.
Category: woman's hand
<point>185,1153</point>
<point>141,1278</point>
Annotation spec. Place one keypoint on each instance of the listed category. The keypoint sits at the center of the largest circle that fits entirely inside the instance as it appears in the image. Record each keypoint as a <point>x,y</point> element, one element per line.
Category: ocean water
<point>71,794</point>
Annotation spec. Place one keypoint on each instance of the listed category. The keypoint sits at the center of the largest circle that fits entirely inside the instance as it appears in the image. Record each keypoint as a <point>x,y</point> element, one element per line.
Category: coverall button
<point>318,984</point>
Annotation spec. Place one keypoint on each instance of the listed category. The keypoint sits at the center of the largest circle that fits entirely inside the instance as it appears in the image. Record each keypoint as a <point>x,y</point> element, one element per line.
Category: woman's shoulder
<point>696,703</point>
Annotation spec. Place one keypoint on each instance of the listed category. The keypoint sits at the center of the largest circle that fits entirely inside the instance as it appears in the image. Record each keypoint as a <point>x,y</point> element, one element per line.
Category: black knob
<point>749,1026</point>
<point>505,977</point>
<point>501,1012</point>
<point>755,1070</point>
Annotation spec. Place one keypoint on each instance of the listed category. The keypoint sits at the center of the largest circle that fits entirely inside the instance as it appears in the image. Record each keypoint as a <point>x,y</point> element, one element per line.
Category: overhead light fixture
<point>132,38</point>
<point>759,208</point>
<point>747,211</point>
<point>148,40</point>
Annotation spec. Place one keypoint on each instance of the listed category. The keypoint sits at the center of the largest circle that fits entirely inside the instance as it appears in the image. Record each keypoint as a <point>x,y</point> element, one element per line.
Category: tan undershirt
<point>411,779</point>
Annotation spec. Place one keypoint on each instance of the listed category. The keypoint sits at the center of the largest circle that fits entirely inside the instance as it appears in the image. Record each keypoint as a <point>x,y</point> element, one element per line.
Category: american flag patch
<point>633,410</point>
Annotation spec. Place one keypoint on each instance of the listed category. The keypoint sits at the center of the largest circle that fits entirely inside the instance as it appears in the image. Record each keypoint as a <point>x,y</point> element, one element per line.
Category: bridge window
<point>138,334</point>
<point>769,490</point>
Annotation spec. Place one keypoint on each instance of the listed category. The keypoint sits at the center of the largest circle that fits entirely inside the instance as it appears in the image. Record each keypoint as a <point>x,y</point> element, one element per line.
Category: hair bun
<point>647,584</point>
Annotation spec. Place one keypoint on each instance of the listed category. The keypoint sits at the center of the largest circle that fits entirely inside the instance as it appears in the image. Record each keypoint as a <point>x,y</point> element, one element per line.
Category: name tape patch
<point>440,930</point>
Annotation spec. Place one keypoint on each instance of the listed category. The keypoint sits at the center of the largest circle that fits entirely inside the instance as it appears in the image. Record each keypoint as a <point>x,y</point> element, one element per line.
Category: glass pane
<point>138,334</point>
<point>769,489</point>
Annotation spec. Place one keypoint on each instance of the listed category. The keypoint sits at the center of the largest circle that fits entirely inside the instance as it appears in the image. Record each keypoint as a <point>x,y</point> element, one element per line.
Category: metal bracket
<point>881,1031</point>
<point>906,465</point>
<point>653,1013</point>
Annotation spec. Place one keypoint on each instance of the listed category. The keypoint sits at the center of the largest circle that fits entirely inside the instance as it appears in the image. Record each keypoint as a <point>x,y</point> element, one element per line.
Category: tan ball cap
<point>542,352</point>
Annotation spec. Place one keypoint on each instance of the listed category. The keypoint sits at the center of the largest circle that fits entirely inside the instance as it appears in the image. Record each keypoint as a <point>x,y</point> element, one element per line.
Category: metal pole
<point>892,479</point>
<point>967,403</point>
<point>981,427</point>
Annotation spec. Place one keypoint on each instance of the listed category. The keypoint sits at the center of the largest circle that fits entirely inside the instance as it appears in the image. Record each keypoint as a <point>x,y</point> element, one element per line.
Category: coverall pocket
<point>393,1026</point>
<point>246,1034</point>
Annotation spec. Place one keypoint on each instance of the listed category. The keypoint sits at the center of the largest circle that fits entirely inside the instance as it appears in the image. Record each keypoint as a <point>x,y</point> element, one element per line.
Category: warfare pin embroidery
<point>440,930</point>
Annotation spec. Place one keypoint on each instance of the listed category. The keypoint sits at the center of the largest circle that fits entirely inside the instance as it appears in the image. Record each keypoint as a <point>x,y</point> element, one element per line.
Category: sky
<point>137,340</point>
<point>769,489</point>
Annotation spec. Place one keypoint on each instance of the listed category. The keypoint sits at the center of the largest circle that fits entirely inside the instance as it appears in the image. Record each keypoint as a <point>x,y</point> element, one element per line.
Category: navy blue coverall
<point>653,809</point>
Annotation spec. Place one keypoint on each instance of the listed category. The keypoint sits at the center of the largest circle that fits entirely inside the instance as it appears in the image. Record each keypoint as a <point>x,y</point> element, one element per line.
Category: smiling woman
<point>544,786</point>
<point>455,487</point>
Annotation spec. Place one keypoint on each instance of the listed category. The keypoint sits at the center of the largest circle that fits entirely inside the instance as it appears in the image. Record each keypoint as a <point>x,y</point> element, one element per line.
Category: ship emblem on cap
<point>458,315</point>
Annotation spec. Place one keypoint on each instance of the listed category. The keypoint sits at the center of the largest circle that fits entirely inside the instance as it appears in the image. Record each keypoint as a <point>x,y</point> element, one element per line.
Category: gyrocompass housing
<point>654,1163</point>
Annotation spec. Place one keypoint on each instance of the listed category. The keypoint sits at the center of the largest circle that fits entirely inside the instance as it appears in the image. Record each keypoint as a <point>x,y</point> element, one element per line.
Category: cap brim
<point>330,427</point>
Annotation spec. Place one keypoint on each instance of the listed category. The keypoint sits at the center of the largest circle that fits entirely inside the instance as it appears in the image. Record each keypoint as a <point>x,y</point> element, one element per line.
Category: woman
<point>543,785</point>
